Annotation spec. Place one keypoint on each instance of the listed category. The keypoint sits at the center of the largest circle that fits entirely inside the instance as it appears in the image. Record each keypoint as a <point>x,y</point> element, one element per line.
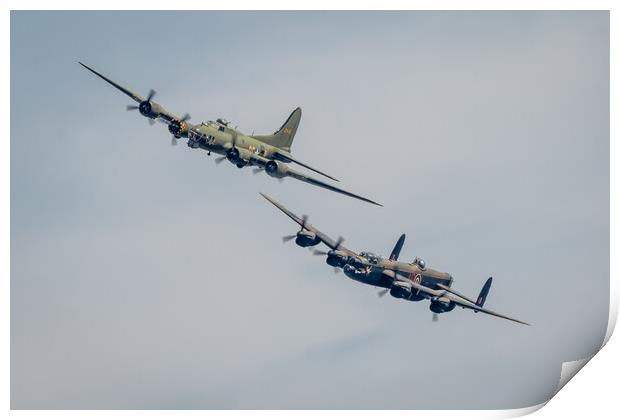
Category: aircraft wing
<point>329,242</point>
<point>288,157</point>
<point>460,301</point>
<point>165,115</point>
<point>454,292</point>
<point>421,288</point>
<point>126,91</point>
<point>464,304</point>
<point>313,181</point>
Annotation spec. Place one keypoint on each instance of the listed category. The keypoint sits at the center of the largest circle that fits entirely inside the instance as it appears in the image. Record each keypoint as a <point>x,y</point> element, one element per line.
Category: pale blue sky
<point>145,276</point>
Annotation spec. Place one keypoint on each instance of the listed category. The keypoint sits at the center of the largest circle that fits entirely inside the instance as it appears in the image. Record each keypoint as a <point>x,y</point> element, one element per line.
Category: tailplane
<point>283,138</point>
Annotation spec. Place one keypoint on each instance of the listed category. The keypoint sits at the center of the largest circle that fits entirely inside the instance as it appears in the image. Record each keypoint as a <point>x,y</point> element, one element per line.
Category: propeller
<point>220,159</point>
<point>435,317</point>
<point>304,219</point>
<point>144,107</point>
<point>177,126</point>
<point>257,170</point>
<point>383,292</point>
<point>336,246</point>
<point>145,104</point>
<point>233,152</point>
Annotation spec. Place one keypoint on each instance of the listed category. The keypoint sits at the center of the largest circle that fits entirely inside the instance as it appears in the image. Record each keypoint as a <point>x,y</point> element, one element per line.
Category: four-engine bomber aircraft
<point>270,153</point>
<point>411,281</point>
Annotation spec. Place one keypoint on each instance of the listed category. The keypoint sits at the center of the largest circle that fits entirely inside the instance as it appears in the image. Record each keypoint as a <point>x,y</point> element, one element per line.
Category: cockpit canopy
<point>419,262</point>
<point>221,124</point>
<point>372,258</point>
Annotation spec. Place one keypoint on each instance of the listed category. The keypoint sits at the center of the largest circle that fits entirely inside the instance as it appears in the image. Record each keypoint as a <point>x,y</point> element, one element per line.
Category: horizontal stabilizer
<point>454,292</point>
<point>287,157</point>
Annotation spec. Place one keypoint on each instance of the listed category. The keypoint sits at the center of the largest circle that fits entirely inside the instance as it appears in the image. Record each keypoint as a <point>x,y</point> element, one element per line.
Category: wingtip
<point>367,200</point>
<point>521,322</point>
<point>266,197</point>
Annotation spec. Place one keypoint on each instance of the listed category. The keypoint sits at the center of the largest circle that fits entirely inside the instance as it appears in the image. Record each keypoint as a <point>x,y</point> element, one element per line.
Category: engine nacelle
<point>276,169</point>
<point>441,305</point>
<point>401,290</point>
<point>233,155</point>
<point>336,259</point>
<point>178,128</point>
<point>305,238</point>
<point>150,109</point>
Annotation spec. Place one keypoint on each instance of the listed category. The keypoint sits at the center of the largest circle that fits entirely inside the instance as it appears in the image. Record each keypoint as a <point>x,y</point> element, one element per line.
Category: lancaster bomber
<point>410,281</point>
<point>269,153</point>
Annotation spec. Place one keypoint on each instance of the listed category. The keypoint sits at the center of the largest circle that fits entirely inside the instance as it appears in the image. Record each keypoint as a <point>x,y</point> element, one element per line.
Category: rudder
<point>397,248</point>
<point>283,138</point>
<point>482,297</point>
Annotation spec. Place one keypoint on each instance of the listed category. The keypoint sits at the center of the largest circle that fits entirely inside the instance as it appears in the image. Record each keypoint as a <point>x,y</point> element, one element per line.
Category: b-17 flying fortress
<point>272,153</point>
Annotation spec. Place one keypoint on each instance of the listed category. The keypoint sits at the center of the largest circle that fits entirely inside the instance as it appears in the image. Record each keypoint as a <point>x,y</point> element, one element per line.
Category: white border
<point>593,394</point>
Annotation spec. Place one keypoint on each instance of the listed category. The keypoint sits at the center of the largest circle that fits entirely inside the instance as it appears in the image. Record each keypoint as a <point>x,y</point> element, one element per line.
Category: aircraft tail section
<point>482,297</point>
<point>283,138</point>
<point>397,248</point>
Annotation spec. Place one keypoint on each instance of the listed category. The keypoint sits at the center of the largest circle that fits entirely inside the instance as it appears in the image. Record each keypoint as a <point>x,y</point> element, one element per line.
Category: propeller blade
<point>339,242</point>
<point>219,159</point>
<point>151,122</point>
<point>174,141</point>
<point>304,219</point>
<point>435,317</point>
<point>151,95</point>
<point>319,252</point>
<point>383,292</point>
<point>186,117</point>
<point>131,107</point>
<point>288,238</point>
<point>257,170</point>
<point>336,270</point>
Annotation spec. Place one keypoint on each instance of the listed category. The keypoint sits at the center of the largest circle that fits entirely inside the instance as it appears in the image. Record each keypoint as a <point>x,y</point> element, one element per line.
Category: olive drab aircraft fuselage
<point>269,153</point>
<point>410,281</point>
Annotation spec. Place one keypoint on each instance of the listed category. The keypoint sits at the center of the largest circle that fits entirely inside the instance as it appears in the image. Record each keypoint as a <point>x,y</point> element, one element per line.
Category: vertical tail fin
<point>399,245</point>
<point>283,138</point>
<point>482,297</point>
